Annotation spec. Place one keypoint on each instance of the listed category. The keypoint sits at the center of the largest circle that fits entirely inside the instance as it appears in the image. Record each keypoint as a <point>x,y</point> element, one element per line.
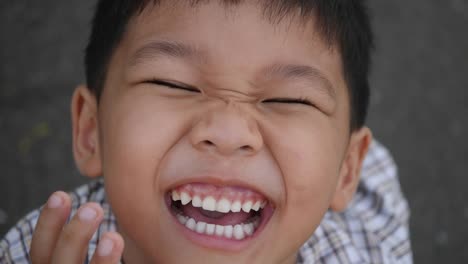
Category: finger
<point>109,249</point>
<point>53,216</point>
<point>73,242</point>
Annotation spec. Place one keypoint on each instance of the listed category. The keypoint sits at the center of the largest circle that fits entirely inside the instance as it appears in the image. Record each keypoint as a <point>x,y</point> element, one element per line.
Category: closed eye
<point>303,101</point>
<point>175,85</point>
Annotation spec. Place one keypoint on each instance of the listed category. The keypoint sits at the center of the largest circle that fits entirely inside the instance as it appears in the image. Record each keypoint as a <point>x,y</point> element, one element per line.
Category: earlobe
<point>85,132</point>
<point>351,168</point>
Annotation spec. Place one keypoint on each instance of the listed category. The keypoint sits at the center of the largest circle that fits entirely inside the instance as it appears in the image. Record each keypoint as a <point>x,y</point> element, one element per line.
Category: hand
<point>56,242</point>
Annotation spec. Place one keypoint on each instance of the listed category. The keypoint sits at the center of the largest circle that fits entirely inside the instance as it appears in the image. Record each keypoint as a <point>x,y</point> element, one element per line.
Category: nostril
<point>246,148</point>
<point>208,143</point>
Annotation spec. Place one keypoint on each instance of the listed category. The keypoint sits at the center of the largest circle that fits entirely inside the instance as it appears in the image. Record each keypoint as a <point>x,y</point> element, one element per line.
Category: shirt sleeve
<point>375,226</point>
<point>14,247</point>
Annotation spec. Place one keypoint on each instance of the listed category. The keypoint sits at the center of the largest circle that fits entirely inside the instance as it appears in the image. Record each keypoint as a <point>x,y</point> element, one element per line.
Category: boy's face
<point>204,100</point>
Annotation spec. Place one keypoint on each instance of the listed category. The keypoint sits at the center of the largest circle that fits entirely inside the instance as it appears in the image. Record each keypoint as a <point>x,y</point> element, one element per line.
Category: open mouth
<point>230,213</point>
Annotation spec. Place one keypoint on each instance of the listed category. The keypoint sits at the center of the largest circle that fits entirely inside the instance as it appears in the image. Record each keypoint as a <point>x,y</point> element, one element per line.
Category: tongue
<point>198,214</point>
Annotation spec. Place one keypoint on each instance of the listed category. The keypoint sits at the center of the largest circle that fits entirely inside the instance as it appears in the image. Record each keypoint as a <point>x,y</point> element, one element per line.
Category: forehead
<point>238,38</point>
<point>247,18</point>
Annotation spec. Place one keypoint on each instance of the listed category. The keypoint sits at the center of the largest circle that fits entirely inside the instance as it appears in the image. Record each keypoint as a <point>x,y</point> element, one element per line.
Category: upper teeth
<point>222,205</point>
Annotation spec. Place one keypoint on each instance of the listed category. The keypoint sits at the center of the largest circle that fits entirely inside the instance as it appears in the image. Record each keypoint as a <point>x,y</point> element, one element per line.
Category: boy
<point>225,132</point>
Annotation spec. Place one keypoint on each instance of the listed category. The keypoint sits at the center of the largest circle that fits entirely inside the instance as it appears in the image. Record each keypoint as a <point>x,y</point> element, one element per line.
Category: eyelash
<point>301,100</point>
<point>175,86</point>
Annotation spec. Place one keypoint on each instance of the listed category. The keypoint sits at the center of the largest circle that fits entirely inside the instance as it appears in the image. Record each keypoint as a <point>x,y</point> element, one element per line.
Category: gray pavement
<point>419,109</point>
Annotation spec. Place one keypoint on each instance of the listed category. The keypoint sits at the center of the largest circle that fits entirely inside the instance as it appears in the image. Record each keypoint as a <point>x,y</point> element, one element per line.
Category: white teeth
<point>175,196</point>
<point>248,228</point>
<point>210,229</point>
<point>255,224</point>
<point>182,219</point>
<point>185,198</point>
<point>191,224</point>
<point>236,206</point>
<point>209,203</point>
<point>200,228</point>
<point>238,232</point>
<point>247,206</point>
<point>219,230</point>
<point>223,206</point>
<point>256,206</point>
<point>196,201</point>
<point>228,231</point>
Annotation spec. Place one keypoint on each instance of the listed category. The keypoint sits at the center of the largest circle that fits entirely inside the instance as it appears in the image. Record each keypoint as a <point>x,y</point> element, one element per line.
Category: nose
<point>227,131</point>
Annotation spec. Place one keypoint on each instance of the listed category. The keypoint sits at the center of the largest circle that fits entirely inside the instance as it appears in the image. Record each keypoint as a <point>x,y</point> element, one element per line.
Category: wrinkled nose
<point>227,131</point>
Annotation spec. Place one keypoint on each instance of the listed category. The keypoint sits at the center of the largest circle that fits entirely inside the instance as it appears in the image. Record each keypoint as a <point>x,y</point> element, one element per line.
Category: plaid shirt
<point>374,228</point>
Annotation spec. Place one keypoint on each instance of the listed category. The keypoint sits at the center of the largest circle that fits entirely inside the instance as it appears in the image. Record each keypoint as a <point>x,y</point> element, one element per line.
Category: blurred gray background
<point>419,109</point>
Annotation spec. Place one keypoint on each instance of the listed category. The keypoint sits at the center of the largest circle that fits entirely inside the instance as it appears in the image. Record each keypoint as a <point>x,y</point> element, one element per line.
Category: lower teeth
<point>238,232</point>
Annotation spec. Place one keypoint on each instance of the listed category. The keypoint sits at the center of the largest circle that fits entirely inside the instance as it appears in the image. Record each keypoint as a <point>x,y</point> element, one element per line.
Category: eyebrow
<point>164,48</point>
<point>293,71</point>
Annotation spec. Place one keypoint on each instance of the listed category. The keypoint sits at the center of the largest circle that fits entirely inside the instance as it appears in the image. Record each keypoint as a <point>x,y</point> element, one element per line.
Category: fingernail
<point>55,201</point>
<point>87,214</point>
<point>105,247</point>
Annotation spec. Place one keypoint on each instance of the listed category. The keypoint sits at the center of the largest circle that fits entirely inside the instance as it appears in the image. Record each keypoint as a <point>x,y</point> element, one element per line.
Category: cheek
<point>310,184</point>
<point>136,134</point>
<point>312,175</point>
<point>309,159</point>
<point>309,153</point>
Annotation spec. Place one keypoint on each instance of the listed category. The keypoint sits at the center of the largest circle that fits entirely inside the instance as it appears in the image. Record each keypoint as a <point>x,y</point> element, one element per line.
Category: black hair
<point>343,23</point>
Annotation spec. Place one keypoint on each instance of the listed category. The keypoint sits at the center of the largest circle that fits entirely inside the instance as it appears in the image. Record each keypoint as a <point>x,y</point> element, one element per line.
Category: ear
<point>85,132</point>
<point>350,170</point>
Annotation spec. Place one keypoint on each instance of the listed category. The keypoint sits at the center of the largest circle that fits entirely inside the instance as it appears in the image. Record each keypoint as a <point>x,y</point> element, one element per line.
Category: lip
<point>215,242</point>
